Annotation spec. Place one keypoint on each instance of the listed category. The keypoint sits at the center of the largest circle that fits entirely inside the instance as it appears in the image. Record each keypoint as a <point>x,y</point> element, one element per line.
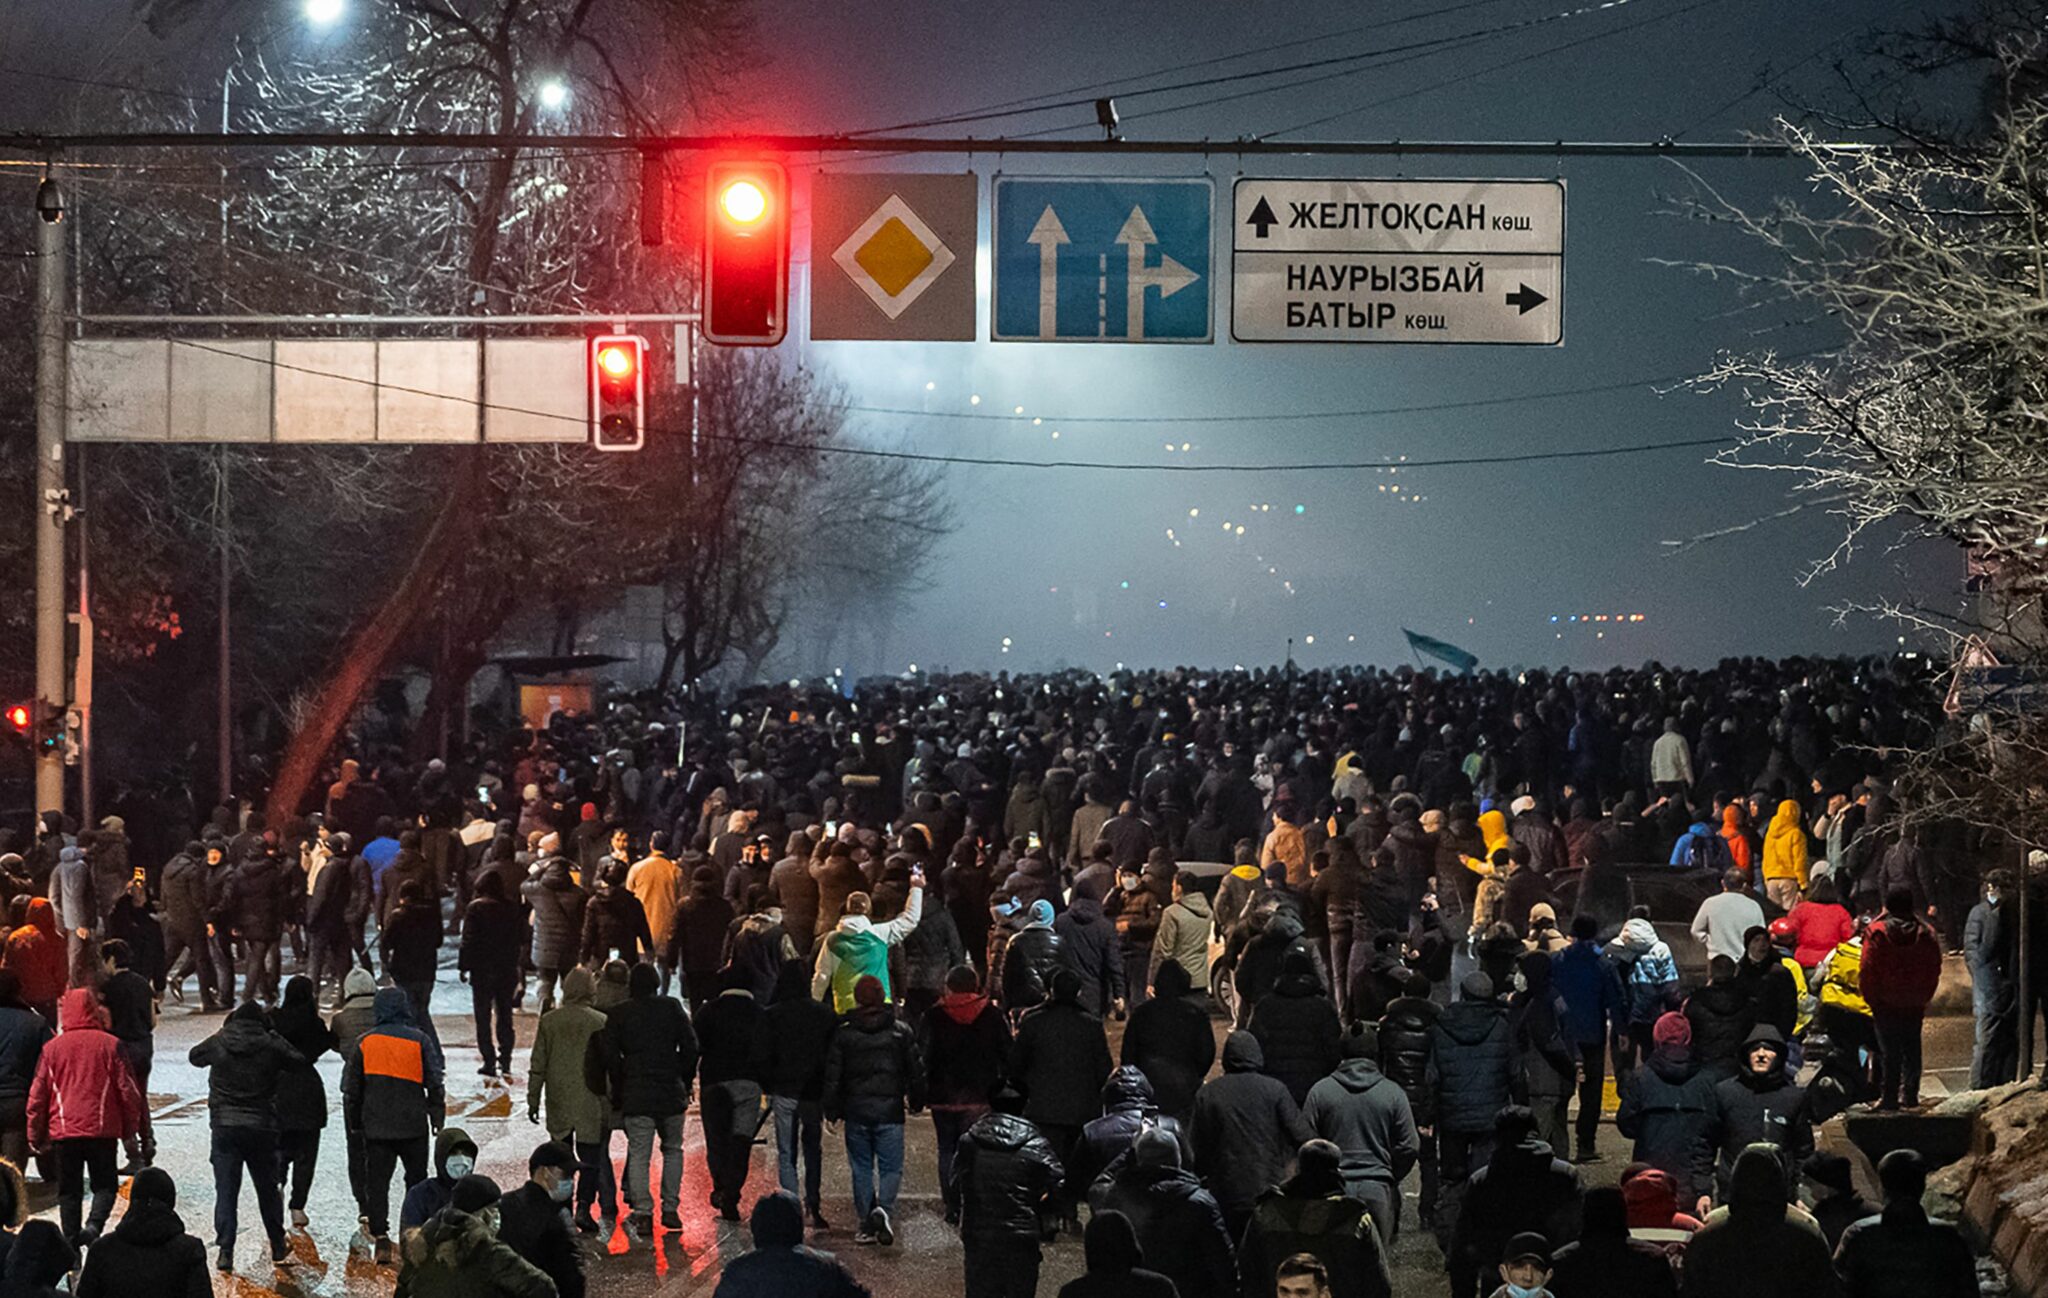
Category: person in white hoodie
<point>859,946</point>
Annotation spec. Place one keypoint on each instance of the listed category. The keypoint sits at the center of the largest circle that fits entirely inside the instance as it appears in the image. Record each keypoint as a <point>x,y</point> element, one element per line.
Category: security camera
<point>50,201</point>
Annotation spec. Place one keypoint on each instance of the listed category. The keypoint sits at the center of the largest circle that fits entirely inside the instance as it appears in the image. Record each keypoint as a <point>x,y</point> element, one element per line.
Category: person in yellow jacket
<point>1286,845</point>
<point>1493,830</point>
<point>1844,1015</point>
<point>1785,857</point>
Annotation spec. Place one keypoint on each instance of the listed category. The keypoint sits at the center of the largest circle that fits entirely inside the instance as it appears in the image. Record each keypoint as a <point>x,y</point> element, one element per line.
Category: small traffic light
<point>21,717</point>
<point>746,254</point>
<point>618,392</point>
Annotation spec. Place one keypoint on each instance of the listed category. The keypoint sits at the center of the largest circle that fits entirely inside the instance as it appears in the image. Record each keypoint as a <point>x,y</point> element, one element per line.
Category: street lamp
<point>325,13</point>
<point>553,95</point>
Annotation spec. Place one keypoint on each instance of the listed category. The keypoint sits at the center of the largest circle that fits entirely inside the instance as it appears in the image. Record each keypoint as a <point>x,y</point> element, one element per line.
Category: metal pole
<point>50,504</point>
<point>2026,900</point>
<point>225,720</point>
<point>81,692</point>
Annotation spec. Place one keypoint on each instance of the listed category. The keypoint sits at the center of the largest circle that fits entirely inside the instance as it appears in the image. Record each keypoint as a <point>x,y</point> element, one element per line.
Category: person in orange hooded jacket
<point>82,1104</point>
<point>35,952</point>
<point>1737,837</point>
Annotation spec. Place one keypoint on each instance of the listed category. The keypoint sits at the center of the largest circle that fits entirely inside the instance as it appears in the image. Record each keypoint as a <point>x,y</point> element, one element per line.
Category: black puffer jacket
<point>932,948</point>
<point>1002,1172</point>
<point>1244,1127</point>
<point>1127,1109</point>
<point>148,1251</point>
<point>614,920</point>
<point>1721,1015</point>
<point>1471,1065</point>
<point>651,1054</point>
<point>1179,1228</point>
<point>301,1094</point>
<point>1298,1029</point>
<point>254,900</point>
<point>1029,961</point>
<point>871,1069</point>
<point>244,1060</point>
<point>964,1045</point>
<point>1404,1051</point>
<point>1091,947</point>
<point>1667,1108</point>
<point>557,905</point>
<point>1410,850</point>
<point>184,894</point>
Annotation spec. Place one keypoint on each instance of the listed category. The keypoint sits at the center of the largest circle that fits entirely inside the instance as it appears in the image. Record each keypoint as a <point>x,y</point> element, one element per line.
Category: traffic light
<point>746,254</point>
<point>21,718</point>
<point>618,392</point>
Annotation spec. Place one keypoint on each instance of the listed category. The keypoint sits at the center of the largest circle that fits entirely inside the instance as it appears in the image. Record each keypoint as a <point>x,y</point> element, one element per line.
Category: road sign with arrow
<point>1398,261</point>
<point>1080,260</point>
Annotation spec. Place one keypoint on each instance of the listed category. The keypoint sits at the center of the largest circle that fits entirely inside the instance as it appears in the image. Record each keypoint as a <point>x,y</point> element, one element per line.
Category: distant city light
<point>1162,603</point>
<point>553,94</point>
<point>1194,513</point>
<point>1123,585</point>
<point>324,13</point>
<point>974,400</point>
<point>1301,509</point>
<point>930,387</point>
<point>1309,640</point>
<point>1020,410</point>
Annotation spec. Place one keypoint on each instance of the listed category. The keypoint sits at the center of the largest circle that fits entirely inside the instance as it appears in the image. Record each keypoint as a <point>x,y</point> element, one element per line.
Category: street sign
<point>1398,261</point>
<point>892,256</point>
<point>1080,260</point>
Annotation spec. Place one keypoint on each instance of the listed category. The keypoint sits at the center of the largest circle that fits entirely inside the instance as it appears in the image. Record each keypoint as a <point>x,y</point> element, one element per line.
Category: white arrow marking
<point>1048,234</point>
<point>1169,276</point>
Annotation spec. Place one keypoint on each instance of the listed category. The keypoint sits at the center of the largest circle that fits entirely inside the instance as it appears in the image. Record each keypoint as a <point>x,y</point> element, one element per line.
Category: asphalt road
<point>924,1261</point>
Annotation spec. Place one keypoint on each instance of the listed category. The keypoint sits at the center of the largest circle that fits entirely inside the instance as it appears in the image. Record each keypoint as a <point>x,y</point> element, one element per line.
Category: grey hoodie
<point>1366,1115</point>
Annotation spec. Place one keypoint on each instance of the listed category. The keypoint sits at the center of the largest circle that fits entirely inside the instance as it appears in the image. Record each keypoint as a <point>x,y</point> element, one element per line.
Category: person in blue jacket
<point>1593,1004</point>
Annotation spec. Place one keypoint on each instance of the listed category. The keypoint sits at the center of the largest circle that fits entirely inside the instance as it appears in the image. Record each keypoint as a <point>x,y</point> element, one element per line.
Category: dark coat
<point>557,905</point>
<point>614,920</point>
<point>1404,1051</point>
<point>796,892</point>
<point>23,1034</point>
<point>965,1044</point>
<point>254,901</point>
<point>650,1051</point>
<point>1170,1038</point>
<point>534,1226</point>
<point>1090,946</point>
<point>1367,1117</point>
<point>871,1069</point>
<point>1902,1254</point>
<point>1721,1015</point>
<point>729,1038</point>
<point>1471,1065</point>
<point>1003,1170</point>
<point>1337,1229</point>
<point>1522,1188</point>
<point>1029,962</point>
<point>1244,1127</point>
<point>301,1094</point>
<point>1617,1267</point>
<point>245,1060</point>
<point>1127,1109</point>
<point>491,933</point>
<point>1667,1108</point>
<point>1770,1109</point>
<point>795,1034</point>
<point>1180,1229</point>
<point>412,942</point>
<point>183,887</point>
<point>1060,1060</point>
<point>696,940</point>
<point>1299,1031</point>
<point>932,949</point>
<point>149,1252</point>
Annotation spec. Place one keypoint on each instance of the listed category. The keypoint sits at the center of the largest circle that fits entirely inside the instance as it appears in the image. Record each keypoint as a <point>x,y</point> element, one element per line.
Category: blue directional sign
<point>1102,260</point>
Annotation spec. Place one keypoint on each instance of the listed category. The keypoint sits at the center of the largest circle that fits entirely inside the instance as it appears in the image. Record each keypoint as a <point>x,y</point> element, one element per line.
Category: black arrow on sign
<point>1528,299</point>
<point>1262,218</point>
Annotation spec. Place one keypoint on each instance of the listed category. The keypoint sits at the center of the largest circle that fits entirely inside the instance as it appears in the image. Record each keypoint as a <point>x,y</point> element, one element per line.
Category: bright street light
<point>553,94</point>
<point>325,13</point>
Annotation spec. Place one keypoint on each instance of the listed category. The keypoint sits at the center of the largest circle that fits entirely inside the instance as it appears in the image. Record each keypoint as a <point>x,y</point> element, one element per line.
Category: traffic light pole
<point>50,504</point>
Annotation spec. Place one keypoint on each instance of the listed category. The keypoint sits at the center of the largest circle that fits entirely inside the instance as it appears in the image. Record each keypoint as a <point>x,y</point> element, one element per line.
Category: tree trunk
<point>369,649</point>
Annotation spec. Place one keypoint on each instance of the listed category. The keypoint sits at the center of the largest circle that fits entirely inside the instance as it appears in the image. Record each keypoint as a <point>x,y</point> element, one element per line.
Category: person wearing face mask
<point>457,1252</point>
<point>454,1158</point>
<point>533,1221</point>
<point>1525,1267</point>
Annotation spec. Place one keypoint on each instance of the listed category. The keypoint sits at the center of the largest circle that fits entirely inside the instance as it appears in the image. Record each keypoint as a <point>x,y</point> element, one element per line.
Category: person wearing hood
<point>1594,1010</point>
<point>457,1252</point>
<point>488,960</point>
<point>1605,1262</point>
<point>1178,1223</point>
<point>1761,1244</point>
<point>246,1062</point>
<point>1259,947</point>
<point>36,953</point>
<point>1059,1060</point>
<point>1090,945</point>
<point>1310,1213</point>
<point>391,1092</point>
<point>1367,1116</point>
<point>575,1113</point>
<point>780,1266</point>
<point>1170,1038</point>
<point>964,1043</point>
<point>838,878</point>
<point>795,891</point>
<point>1721,1014</point>
<point>1116,1265</point>
<point>1240,887</point>
<point>1761,1105</point>
<point>1030,960</point>
<point>37,1262</point>
<point>556,904</point>
<point>71,892</point>
<point>148,1251</point>
<point>23,1034</point>
<point>1241,1129</point>
<point>614,921</point>
<point>1183,936</point>
<point>650,1051</point>
<point>1668,1110</point>
<point>871,1075</point>
<point>1127,1109</point>
<point>796,1033</point>
<point>454,1158</point>
<point>81,1105</point>
<point>1701,847</point>
<point>354,1020</point>
<point>1901,969</point>
<point>694,945</point>
<point>1785,859</point>
<point>534,1218</point>
<point>411,942</point>
<point>729,1045</point>
<point>1545,1061</point>
<point>1543,935</point>
<point>1297,1026</point>
<point>301,1094</point>
<point>858,947</point>
<point>1523,1187</point>
<point>1649,986</point>
<point>186,946</point>
<point>1772,989</point>
<point>1004,1178</point>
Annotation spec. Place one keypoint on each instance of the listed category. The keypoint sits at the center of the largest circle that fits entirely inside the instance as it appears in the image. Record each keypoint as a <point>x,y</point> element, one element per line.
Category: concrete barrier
<point>1999,1190</point>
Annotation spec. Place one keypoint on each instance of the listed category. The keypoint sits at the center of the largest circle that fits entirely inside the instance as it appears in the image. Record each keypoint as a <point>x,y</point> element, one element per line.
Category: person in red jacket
<point>35,951</point>
<point>82,1104</point>
<point>1901,965</point>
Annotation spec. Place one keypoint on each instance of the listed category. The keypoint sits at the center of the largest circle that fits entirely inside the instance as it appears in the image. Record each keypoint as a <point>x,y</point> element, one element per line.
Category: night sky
<point>1094,568</point>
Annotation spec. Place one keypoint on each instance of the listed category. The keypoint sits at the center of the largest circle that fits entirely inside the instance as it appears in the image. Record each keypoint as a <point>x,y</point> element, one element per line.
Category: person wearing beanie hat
<point>457,1253</point>
<point>779,1265</point>
<point>149,1250</point>
<point>1367,1117</point>
<point>1179,1225</point>
<point>1470,1074</point>
<point>858,947</point>
<point>1667,1109</point>
<point>1838,1206</point>
<point>1030,960</point>
<point>871,1075</point>
<point>556,901</point>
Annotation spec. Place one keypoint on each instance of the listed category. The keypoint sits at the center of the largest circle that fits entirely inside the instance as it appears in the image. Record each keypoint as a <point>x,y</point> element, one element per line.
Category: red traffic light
<point>617,361</point>
<point>618,392</point>
<point>746,254</point>
<point>21,716</point>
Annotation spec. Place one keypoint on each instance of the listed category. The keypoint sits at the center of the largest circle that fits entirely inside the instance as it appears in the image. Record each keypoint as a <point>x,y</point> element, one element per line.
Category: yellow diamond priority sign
<point>897,257</point>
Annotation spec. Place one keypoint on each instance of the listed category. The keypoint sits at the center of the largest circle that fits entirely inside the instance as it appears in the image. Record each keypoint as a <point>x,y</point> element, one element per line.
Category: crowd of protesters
<point>1353,925</point>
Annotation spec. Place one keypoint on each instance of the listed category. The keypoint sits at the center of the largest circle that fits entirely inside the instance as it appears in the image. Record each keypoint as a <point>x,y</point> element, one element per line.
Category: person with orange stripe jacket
<point>391,1093</point>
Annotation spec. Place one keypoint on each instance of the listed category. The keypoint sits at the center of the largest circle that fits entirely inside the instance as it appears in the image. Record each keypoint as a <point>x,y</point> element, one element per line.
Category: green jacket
<point>859,947</point>
<point>555,1071</point>
<point>1184,937</point>
<point>455,1255</point>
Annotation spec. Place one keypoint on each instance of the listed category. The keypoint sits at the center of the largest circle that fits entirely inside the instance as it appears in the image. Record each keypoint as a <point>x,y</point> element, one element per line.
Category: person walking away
<point>1297,1025</point>
<point>1471,1075</point>
<point>77,914</point>
<point>1760,1105</point>
<point>454,1158</point>
<point>657,882</point>
<point>350,1024</point>
<point>131,1016</point>
<point>780,1266</point>
<point>255,909</point>
<point>575,1113</point>
<point>411,940</point>
<point>36,954</point>
<point>488,960</point>
<point>796,1032</point>
<point>1183,936</point>
<point>1991,947</point>
<point>1170,1038</point>
<point>650,1050</point>
<point>859,948</point>
<point>391,1092</point>
<point>1127,1109</point>
<point>23,1034</point>
<point>1836,1204</point>
<point>148,1251</point>
<point>245,1061</point>
<point>556,903</point>
<point>81,1105</point>
<point>457,1253</point>
<point>1668,1110</point>
<point>187,947</point>
<point>695,942</point>
<point>134,920</point>
<point>301,1095</point>
<point>1059,1060</point>
<point>1785,862</point>
<point>729,1043</point>
<point>1761,1245</point>
<point>1367,1117</point>
<point>1901,1253</point>
<point>1523,1187</point>
<point>613,921</point>
<point>1603,1262</point>
<point>1545,1063</point>
<point>533,1219</point>
<point>1242,1129</point>
<point>1115,1264</point>
<point>930,952</point>
<point>327,906</point>
<point>964,1043</point>
<point>1901,969</point>
<point>1309,1215</point>
<point>1004,1178</point>
<point>1177,1222</point>
<point>1030,958</point>
<point>1721,1015</point>
<point>1594,1007</point>
<point>1091,946</point>
<point>1723,919</point>
<point>871,1074</point>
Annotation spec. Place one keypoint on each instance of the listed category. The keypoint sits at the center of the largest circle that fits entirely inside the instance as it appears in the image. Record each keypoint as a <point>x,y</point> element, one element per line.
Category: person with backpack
<point>1701,847</point>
